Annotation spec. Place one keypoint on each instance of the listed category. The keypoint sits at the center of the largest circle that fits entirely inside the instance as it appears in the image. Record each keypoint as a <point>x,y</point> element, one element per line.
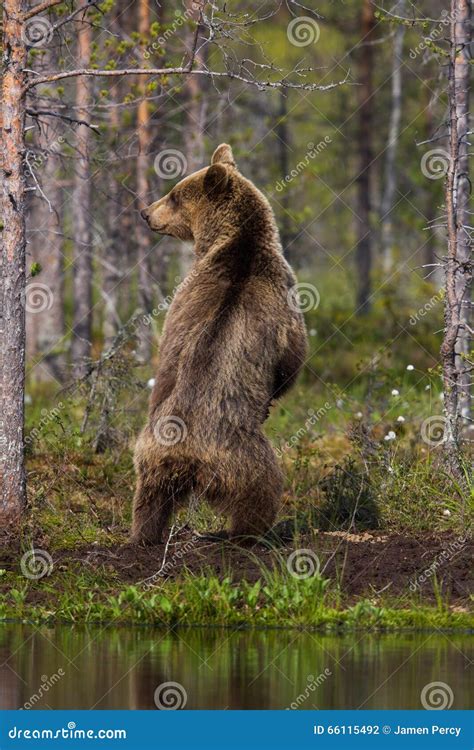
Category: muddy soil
<point>370,564</point>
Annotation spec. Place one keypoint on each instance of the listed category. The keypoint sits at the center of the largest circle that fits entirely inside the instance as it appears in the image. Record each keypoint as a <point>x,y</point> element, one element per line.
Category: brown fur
<point>231,344</point>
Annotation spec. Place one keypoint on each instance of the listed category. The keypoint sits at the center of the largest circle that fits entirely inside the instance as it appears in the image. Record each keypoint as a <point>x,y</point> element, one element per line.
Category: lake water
<point>110,667</point>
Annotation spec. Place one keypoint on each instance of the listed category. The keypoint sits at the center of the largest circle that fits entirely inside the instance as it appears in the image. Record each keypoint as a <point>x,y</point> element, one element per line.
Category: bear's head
<point>215,201</point>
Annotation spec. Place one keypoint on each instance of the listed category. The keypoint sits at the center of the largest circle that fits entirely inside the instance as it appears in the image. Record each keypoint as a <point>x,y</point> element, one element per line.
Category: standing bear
<point>233,341</point>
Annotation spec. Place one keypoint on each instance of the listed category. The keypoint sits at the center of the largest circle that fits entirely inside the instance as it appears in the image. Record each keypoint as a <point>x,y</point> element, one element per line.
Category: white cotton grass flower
<point>446,513</point>
<point>358,415</point>
<point>151,383</point>
<point>395,392</point>
<point>427,387</point>
<point>312,332</point>
<point>441,396</point>
<point>391,435</point>
<point>400,418</point>
<point>339,403</point>
<point>410,367</point>
<point>28,399</point>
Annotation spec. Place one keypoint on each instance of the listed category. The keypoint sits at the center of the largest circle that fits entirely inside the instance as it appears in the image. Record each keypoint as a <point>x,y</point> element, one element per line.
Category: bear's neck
<point>256,235</point>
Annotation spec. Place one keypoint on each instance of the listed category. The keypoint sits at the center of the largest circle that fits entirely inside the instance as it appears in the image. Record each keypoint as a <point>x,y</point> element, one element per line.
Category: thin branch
<point>40,8</point>
<point>48,113</point>
<point>284,84</point>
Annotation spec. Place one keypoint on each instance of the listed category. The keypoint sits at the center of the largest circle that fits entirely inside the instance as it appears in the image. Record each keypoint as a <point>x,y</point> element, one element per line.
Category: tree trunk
<point>283,146</point>
<point>458,274</point>
<point>195,119</point>
<point>462,66</point>
<point>143,236</point>
<point>364,182</point>
<point>386,207</point>
<point>46,321</point>
<point>12,272</point>
<point>82,216</point>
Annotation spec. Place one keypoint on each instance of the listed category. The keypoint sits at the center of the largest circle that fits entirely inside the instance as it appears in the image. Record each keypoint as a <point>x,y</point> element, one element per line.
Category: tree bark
<point>46,322</point>
<point>283,137</point>
<point>458,275</point>
<point>364,182</point>
<point>82,217</point>
<point>463,37</point>
<point>12,271</point>
<point>195,115</point>
<point>386,218</point>
<point>143,236</point>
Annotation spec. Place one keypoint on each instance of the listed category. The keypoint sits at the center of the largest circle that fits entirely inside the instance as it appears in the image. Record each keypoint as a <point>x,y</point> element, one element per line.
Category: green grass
<point>276,600</point>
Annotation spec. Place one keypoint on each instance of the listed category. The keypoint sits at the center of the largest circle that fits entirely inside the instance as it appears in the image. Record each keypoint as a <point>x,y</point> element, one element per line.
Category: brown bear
<point>232,342</point>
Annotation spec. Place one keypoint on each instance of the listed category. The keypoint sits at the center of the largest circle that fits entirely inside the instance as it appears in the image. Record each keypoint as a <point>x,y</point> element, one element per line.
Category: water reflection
<point>120,668</point>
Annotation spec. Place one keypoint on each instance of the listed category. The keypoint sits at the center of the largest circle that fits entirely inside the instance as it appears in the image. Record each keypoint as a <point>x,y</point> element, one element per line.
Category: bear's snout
<point>144,214</point>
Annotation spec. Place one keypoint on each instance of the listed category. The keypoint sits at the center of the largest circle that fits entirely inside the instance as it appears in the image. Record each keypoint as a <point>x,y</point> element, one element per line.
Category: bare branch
<point>262,85</point>
<point>40,8</point>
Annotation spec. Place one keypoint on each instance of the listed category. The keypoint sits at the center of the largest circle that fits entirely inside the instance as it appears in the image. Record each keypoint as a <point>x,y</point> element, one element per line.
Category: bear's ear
<point>223,155</point>
<point>216,180</point>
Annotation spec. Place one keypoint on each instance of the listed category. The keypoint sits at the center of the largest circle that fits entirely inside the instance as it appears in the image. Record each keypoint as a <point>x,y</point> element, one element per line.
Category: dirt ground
<point>367,564</point>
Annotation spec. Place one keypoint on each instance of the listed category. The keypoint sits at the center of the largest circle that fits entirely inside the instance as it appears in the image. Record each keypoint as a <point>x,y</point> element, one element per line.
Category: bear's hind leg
<point>255,512</point>
<point>152,508</point>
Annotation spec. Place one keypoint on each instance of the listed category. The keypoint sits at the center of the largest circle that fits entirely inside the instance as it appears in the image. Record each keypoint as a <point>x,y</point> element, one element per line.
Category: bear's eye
<point>174,198</point>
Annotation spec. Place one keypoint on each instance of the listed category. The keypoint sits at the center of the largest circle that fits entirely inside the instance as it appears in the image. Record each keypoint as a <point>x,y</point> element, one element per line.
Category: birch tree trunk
<point>364,182</point>
<point>143,235</point>
<point>462,69</point>
<point>386,207</point>
<point>195,116</point>
<point>45,223</point>
<point>81,216</point>
<point>12,271</point>
<point>458,266</point>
